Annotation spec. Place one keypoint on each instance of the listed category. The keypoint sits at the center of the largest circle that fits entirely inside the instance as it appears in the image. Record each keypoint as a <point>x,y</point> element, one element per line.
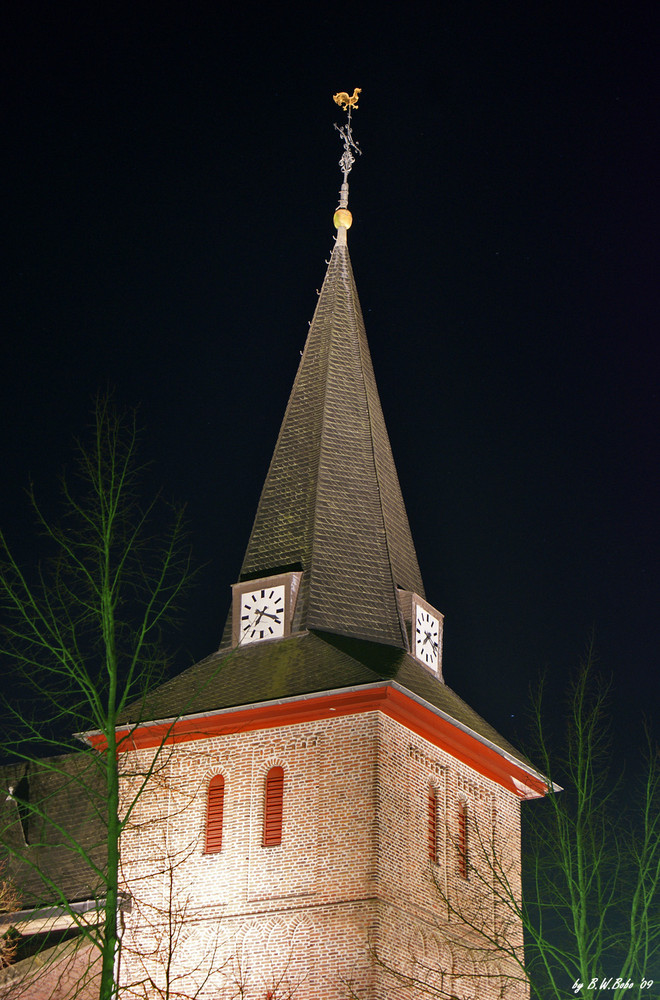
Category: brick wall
<point>436,924</point>
<point>346,900</point>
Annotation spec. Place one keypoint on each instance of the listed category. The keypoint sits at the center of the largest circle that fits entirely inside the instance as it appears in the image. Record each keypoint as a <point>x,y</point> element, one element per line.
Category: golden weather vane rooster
<point>347,101</point>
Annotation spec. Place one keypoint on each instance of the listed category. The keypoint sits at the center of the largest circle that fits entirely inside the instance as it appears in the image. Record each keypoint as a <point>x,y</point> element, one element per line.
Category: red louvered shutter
<point>273,807</point>
<point>463,839</point>
<point>214,812</point>
<point>433,825</point>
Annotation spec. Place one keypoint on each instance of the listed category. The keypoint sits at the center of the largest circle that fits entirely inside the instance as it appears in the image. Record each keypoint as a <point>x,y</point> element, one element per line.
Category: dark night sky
<point>170,173</point>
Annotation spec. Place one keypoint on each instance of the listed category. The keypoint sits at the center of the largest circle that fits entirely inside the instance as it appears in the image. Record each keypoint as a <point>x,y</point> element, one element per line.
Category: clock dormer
<point>424,629</point>
<point>262,609</point>
<point>426,634</point>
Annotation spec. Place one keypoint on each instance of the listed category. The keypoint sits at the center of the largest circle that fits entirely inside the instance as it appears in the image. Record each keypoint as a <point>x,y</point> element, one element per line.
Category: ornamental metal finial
<point>347,102</point>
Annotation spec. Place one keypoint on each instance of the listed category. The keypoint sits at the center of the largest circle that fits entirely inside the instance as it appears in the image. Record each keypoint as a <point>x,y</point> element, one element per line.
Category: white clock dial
<point>427,637</point>
<point>262,614</point>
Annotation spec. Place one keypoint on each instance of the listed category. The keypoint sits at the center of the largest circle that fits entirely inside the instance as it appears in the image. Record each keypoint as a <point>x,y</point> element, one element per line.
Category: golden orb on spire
<point>342,217</point>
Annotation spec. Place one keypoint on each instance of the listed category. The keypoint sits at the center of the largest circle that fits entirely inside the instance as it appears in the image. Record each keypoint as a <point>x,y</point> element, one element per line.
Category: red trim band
<point>387,699</point>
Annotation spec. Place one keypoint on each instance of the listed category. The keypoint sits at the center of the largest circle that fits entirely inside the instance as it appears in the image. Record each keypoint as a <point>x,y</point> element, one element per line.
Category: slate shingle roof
<point>66,971</point>
<point>331,503</point>
<point>332,506</point>
<point>305,664</point>
<point>62,839</point>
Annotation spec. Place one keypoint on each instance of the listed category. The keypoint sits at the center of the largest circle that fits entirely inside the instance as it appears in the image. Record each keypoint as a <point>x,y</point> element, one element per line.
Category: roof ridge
<point>359,318</point>
<point>323,420</point>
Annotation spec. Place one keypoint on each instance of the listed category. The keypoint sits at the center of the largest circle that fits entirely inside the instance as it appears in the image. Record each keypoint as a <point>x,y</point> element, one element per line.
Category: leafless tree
<point>591,865</point>
<point>83,636</point>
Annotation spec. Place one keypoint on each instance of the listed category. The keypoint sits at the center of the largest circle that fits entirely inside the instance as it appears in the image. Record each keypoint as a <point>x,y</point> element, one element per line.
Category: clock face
<point>262,614</point>
<point>427,636</point>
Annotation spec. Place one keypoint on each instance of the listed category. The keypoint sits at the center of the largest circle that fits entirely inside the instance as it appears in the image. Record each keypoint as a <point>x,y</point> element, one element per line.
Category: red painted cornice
<point>389,700</point>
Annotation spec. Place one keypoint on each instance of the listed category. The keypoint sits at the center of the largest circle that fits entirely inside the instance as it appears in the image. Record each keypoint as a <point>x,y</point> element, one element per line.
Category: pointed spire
<point>331,504</point>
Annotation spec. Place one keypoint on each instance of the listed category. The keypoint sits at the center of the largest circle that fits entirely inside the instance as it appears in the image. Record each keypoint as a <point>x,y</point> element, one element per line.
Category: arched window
<point>214,811</point>
<point>273,803</point>
<point>462,839</point>
<point>433,825</point>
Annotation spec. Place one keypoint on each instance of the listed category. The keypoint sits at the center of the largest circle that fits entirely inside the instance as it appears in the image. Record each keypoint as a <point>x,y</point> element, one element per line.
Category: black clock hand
<point>265,614</point>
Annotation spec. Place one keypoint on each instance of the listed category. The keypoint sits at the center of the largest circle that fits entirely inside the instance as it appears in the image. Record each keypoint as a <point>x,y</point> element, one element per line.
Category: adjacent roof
<point>71,969</point>
<point>55,844</point>
<point>331,504</point>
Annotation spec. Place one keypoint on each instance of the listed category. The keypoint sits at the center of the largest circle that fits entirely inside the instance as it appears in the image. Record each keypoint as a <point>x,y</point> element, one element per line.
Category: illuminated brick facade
<point>348,892</point>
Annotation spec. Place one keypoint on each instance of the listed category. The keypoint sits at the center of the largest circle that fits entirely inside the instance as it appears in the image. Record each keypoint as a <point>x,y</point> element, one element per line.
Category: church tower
<point>326,818</point>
